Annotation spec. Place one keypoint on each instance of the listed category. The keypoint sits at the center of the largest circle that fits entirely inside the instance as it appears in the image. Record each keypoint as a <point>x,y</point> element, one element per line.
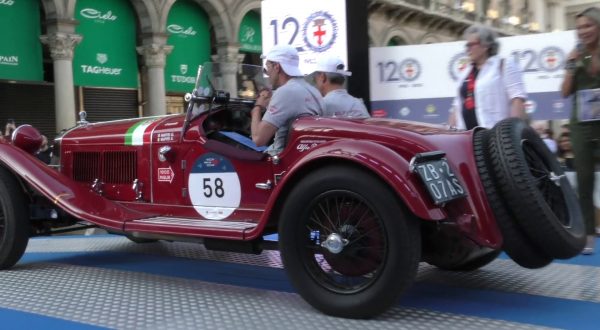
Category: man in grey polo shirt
<point>329,77</point>
<point>293,97</point>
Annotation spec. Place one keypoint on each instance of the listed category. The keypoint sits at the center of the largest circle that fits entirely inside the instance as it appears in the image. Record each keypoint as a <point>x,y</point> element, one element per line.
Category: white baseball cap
<point>287,57</point>
<point>331,64</point>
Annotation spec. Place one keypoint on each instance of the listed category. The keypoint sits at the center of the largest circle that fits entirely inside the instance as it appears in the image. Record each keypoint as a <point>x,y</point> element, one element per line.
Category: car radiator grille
<point>117,167</point>
<point>86,166</point>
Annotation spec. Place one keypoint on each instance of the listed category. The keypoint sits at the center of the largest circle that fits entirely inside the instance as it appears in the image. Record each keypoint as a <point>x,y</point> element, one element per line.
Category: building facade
<point>127,58</point>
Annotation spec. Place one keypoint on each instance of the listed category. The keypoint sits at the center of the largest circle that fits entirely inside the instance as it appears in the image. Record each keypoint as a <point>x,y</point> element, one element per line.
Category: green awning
<point>189,34</point>
<point>106,57</point>
<point>250,36</point>
<point>20,49</point>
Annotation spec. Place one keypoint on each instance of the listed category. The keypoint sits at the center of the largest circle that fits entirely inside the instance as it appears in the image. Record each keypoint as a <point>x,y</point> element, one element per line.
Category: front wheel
<point>14,220</point>
<point>347,243</point>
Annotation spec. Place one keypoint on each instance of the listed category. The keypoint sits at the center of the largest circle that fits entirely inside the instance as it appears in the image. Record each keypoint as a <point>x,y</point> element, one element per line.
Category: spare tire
<point>536,190</point>
<point>515,243</point>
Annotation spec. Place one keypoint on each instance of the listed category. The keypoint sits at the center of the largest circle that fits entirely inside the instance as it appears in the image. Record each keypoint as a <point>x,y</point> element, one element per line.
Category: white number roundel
<point>214,187</point>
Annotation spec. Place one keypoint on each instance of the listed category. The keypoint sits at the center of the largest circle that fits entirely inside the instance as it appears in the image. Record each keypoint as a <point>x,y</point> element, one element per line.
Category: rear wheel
<point>14,220</point>
<point>515,243</point>
<point>534,185</point>
<point>348,245</point>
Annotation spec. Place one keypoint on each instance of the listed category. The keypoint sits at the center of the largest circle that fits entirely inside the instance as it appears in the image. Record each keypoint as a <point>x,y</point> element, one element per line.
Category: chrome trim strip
<point>197,223</point>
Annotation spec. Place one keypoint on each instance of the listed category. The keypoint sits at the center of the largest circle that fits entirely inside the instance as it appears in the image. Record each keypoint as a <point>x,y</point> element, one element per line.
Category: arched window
<point>397,41</point>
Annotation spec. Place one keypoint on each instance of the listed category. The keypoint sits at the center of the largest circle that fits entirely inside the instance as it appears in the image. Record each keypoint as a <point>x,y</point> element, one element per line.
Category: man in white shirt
<point>293,97</point>
<point>329,77</point>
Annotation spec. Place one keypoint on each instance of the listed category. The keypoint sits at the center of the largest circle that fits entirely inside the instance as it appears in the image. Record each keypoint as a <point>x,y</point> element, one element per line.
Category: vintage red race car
<point>356,203</point>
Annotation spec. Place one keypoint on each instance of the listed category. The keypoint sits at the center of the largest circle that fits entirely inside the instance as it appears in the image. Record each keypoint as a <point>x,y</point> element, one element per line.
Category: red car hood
<point>120,132</point>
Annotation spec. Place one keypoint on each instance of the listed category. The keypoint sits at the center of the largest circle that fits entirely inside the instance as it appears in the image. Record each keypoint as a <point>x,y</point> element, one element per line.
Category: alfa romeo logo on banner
<point>410,69</point>
<point>551,59</point>
<point>320,31</point>
<point>458,64</point>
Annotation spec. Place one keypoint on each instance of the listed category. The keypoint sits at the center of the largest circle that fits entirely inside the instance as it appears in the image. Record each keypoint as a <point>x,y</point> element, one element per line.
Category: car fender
<point>72,197</point>
<point>378,159</point>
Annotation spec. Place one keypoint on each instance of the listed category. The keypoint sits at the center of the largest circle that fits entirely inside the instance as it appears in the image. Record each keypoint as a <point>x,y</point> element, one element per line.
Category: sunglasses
<point>266,68</point>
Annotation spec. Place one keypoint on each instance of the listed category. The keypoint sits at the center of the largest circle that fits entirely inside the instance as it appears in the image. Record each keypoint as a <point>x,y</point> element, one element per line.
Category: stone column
<point>557,15</point>
<point>480,13</point>
<point>155,56</point>
<point>61,47</point>
<point>229,57</point>
<point>539,9</point>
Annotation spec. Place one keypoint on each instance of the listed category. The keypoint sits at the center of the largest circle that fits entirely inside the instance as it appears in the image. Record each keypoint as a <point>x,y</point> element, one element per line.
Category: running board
<point>191,227</point>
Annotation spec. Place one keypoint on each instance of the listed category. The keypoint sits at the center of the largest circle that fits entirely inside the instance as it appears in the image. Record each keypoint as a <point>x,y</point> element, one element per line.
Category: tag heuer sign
<point>101,58</point>
<point>106,56</point>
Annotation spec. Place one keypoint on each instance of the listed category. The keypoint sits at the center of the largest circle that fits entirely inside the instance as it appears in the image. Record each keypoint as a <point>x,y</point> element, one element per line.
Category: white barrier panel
<point>418,82</point>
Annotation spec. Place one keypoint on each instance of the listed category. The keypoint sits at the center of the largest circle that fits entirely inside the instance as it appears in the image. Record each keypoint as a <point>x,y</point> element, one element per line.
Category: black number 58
<point>208,188</point>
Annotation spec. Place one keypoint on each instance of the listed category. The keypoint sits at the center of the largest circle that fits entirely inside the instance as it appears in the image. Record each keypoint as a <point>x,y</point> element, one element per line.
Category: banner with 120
<point>313,27</point>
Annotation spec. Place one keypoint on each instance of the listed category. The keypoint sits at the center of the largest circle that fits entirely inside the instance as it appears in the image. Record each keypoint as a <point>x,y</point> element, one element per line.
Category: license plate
<point>440,181</point>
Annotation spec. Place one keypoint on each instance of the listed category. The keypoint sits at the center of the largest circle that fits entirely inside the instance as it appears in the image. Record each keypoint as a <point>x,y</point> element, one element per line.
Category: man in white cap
<point>330,77</point>
<point>293,97</point>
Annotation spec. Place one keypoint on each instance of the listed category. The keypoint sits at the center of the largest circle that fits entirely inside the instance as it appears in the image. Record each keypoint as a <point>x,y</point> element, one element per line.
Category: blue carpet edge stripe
<point>15,319</point>
<point>512,307</point>
<point>582,260</point>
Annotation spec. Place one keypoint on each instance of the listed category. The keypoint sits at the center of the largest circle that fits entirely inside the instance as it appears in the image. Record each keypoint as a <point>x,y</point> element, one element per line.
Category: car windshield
<point>241,81</point>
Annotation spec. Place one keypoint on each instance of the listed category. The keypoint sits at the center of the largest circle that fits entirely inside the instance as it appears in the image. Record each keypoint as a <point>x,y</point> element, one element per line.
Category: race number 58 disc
<point>214,187</point>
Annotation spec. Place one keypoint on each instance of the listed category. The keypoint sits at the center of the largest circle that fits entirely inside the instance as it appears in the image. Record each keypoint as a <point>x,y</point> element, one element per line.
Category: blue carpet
<point>12,319</point>
<point>516,307</point>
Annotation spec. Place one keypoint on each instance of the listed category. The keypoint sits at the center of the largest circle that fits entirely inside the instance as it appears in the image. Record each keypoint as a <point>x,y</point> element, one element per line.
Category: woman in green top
<point>583,73</point>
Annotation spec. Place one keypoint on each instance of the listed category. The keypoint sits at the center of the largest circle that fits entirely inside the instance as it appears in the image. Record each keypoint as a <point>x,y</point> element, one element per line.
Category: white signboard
<point>314,27</point>
<point>418,82</point>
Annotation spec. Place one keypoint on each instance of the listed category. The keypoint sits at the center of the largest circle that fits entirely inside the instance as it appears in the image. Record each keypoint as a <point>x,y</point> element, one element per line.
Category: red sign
<point>165,175</point>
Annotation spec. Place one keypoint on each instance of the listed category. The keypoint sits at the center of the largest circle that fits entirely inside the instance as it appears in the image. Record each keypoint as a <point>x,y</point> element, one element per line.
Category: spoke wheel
<point>347,243</point>
<point>545,181</point>
<point>345,216</point>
